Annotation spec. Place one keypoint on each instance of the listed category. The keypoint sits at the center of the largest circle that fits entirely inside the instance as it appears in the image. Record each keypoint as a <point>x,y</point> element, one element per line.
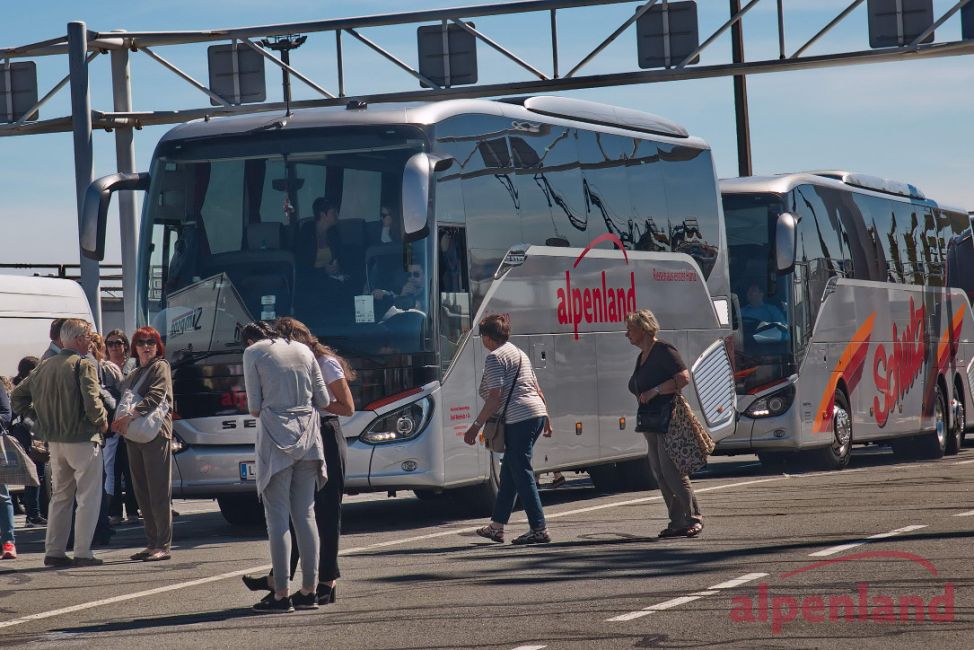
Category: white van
<point>27,307</point>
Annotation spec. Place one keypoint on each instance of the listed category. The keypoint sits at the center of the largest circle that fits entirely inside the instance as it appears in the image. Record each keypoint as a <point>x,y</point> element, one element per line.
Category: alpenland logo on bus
<point>602,304</point>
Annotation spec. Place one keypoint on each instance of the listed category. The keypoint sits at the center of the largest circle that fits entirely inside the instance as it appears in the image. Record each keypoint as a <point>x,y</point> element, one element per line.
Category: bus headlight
<point>404,423</point>
<point>771,405</point>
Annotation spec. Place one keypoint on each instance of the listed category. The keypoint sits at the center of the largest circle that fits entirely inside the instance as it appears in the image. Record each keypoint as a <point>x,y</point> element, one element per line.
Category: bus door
<point>571,389</point>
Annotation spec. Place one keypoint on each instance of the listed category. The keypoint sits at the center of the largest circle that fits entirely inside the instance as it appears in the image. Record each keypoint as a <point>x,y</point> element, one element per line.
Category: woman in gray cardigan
<point>284,389</point>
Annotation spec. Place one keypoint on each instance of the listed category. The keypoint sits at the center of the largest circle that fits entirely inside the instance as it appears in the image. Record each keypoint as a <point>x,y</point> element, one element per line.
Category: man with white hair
<point>62,396</point>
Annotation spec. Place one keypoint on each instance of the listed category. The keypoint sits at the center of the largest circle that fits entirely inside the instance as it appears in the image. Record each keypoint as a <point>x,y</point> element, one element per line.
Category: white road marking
<point>530,647</point>
<point>737,582</point>
<point>969,513</point>
<point>964,462</point>
<point>674,602</point>
<point>845,547</point>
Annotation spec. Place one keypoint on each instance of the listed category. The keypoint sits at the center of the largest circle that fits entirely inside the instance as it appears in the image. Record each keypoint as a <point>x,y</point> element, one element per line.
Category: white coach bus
<point>866,338</point>
<point>562,213</point>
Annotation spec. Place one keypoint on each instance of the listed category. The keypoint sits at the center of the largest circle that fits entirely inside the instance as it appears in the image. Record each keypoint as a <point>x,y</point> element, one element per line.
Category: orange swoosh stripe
<point>854,353</point>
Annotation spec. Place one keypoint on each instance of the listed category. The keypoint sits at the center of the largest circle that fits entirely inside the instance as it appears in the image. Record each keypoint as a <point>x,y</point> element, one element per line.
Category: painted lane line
<point>737,582</point>
<point>969,513</point>
<point>845,547</point>
<point>659,607</point>
<point>964,462</point>
<point>703,593</point>
<point>530,647</point>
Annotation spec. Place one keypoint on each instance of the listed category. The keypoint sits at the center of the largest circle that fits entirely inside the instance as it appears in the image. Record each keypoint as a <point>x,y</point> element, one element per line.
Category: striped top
<point>500,369</point>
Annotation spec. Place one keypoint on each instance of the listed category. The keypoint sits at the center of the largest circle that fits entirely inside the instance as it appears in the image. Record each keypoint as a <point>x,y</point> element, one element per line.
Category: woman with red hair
<point>151,462</point>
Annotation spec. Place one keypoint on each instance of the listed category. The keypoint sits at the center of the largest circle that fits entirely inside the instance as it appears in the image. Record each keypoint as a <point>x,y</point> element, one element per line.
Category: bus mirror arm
<point>94,214</point>
<point>786,242</point>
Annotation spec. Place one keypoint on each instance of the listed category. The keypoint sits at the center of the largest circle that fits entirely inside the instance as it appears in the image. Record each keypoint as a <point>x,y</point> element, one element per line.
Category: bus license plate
<point>248,471</point>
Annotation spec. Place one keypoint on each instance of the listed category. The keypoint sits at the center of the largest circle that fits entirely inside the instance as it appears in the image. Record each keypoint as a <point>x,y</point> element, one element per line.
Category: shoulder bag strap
<point>510,393</point>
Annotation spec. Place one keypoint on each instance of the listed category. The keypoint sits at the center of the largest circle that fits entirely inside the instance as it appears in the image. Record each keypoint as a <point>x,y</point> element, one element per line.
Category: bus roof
<point>783,183</point>
<point>551,109</point>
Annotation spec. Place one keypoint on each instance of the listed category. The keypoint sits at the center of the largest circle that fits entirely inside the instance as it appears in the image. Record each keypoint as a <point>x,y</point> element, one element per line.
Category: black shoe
<point>271,605</point>
<point>36,522</point>
<point>88,561</point>
<point>58,561</point>
<point>305,601</point>
<point>326,595</point>
<point>256,583</point>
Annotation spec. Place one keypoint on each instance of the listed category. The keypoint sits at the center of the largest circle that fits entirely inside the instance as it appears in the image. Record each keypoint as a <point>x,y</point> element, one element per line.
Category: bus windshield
<point>764,336</point>
<point>270,224</point>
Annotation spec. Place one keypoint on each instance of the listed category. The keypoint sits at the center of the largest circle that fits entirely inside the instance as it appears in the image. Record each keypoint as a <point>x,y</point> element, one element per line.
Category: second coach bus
<point>864,339</point>
<point>390,232</point>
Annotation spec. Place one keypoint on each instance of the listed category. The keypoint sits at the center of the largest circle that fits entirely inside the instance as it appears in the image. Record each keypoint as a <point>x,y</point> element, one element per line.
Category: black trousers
<point>127,497</point>
<point>328,503</point>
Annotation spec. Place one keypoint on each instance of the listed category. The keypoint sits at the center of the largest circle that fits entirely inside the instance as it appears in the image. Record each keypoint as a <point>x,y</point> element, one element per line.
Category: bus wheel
<point>637,475</point>
<point>607,478</point>
<point>955,432</point>
<point>478,500</point>
<point>837,455</point>
<point>932,445</point>
<point>241,509</point>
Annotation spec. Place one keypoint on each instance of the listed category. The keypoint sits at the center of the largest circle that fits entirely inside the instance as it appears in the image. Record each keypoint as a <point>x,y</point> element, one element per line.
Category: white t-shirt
<point>331,370</point>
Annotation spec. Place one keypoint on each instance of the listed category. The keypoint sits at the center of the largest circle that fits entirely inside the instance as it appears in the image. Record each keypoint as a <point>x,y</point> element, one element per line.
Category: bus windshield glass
<point>765,337</point>
<point>268,224</point>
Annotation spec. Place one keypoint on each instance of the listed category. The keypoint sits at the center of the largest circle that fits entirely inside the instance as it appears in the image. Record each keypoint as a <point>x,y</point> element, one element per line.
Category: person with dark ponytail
<point>285,390</point>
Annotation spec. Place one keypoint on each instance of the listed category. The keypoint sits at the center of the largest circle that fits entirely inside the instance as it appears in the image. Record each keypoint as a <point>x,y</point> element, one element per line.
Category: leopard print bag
<point>687,442</point>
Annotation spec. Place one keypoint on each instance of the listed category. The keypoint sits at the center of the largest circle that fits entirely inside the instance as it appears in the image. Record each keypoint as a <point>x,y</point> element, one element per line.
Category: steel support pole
<point>83,154</point>
<point>740,97</point>
<point>125,159</point>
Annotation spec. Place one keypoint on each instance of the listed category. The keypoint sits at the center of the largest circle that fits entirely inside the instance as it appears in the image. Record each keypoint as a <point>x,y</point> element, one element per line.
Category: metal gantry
<point>83,46</point>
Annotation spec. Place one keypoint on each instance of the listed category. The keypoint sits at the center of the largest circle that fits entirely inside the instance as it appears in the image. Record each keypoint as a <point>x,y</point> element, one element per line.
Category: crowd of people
<point>104,411</point>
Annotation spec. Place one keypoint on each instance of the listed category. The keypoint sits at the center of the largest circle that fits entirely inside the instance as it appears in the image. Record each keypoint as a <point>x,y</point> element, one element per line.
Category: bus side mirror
<point>785,242</point>
<point>94,214</point>
<point>416,192</point>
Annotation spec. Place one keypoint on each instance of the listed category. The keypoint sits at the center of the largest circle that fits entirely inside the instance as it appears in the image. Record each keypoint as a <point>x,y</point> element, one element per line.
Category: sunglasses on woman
<point>144,343</point>
<point>115,343</point>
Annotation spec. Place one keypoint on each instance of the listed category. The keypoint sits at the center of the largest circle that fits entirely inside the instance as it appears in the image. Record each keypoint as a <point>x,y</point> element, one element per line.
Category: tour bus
<point>561,213</point>
<point>866,338</point>
<point>27,307</point>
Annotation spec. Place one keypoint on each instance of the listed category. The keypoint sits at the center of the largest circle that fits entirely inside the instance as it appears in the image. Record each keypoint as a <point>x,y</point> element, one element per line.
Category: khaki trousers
<point>675,486</point>
<point>151,466</point>
<point>76,473</point>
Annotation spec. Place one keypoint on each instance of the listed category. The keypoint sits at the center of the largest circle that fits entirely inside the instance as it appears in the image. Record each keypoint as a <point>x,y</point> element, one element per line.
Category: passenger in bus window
<point>659,374</point>
<point>387,230</point>
<point>509,377</point>
<point>326,243</point>
<point>451,270</point>
<point>412,295</point>
<point>757,309</point>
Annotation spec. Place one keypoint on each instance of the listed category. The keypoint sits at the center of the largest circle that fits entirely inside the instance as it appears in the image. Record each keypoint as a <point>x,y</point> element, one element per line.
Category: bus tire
<point>241,509</point>
<point>958,422</point>
<point>607,478</point>
<point>933,445</point>
<point>837,454</point>
<point>637,475</point>
<point>478,500</point>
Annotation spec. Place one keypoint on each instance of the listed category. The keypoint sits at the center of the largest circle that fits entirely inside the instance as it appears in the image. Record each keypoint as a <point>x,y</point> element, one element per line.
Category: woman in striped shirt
<point>508,371</point>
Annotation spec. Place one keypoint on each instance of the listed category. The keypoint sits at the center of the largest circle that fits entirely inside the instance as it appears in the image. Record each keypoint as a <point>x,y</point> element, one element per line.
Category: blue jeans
<point>6,515</point>
<point>32,495</point>
<point>517,475</point>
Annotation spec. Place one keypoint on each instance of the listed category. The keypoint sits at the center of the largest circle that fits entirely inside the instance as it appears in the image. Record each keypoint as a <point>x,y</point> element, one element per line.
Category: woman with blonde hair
<point>659,375</point>
<point>328,500</point>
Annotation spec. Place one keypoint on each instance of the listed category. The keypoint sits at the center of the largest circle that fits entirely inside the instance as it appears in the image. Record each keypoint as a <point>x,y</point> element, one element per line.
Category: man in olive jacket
<point>62,397</point>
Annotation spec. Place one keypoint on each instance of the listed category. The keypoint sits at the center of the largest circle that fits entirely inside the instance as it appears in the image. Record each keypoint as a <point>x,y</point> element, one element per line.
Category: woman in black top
<point>659,374</point>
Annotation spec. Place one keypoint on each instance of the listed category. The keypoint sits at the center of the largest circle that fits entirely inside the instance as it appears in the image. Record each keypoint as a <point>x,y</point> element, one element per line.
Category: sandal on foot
<point>692,530</point>
<point>533,537</point>
<point>491,533</point>
<point>672,532</point>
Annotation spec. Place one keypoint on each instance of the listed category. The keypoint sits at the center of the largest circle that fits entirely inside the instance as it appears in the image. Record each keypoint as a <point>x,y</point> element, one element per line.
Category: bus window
<point>821,238</point>
<point>454,291</point>
<point>603,159</point>
<point>931,250</point>
<point>692,200</point>
<point>648,196</point>
<point>908,215</point>
<point>877,217</point>
<point>222,205</point>
<point>549,183</point>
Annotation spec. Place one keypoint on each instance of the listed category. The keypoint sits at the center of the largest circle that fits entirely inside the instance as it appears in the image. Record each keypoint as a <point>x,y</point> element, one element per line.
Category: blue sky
<point>908,121</point>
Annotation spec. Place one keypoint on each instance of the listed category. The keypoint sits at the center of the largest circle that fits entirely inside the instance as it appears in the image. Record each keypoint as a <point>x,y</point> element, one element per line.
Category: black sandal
<point>692,530</point>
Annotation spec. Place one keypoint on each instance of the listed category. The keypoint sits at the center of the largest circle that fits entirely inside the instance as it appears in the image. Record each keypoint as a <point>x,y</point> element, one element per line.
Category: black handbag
<point>654,417</point>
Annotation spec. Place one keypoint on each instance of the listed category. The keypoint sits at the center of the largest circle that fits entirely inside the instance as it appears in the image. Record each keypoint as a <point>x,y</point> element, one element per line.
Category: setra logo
<point>896,373</point>
<point>600,304</point>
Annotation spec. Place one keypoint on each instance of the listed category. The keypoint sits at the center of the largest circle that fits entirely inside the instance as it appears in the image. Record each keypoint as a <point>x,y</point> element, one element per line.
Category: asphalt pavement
<point>873,556</point>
